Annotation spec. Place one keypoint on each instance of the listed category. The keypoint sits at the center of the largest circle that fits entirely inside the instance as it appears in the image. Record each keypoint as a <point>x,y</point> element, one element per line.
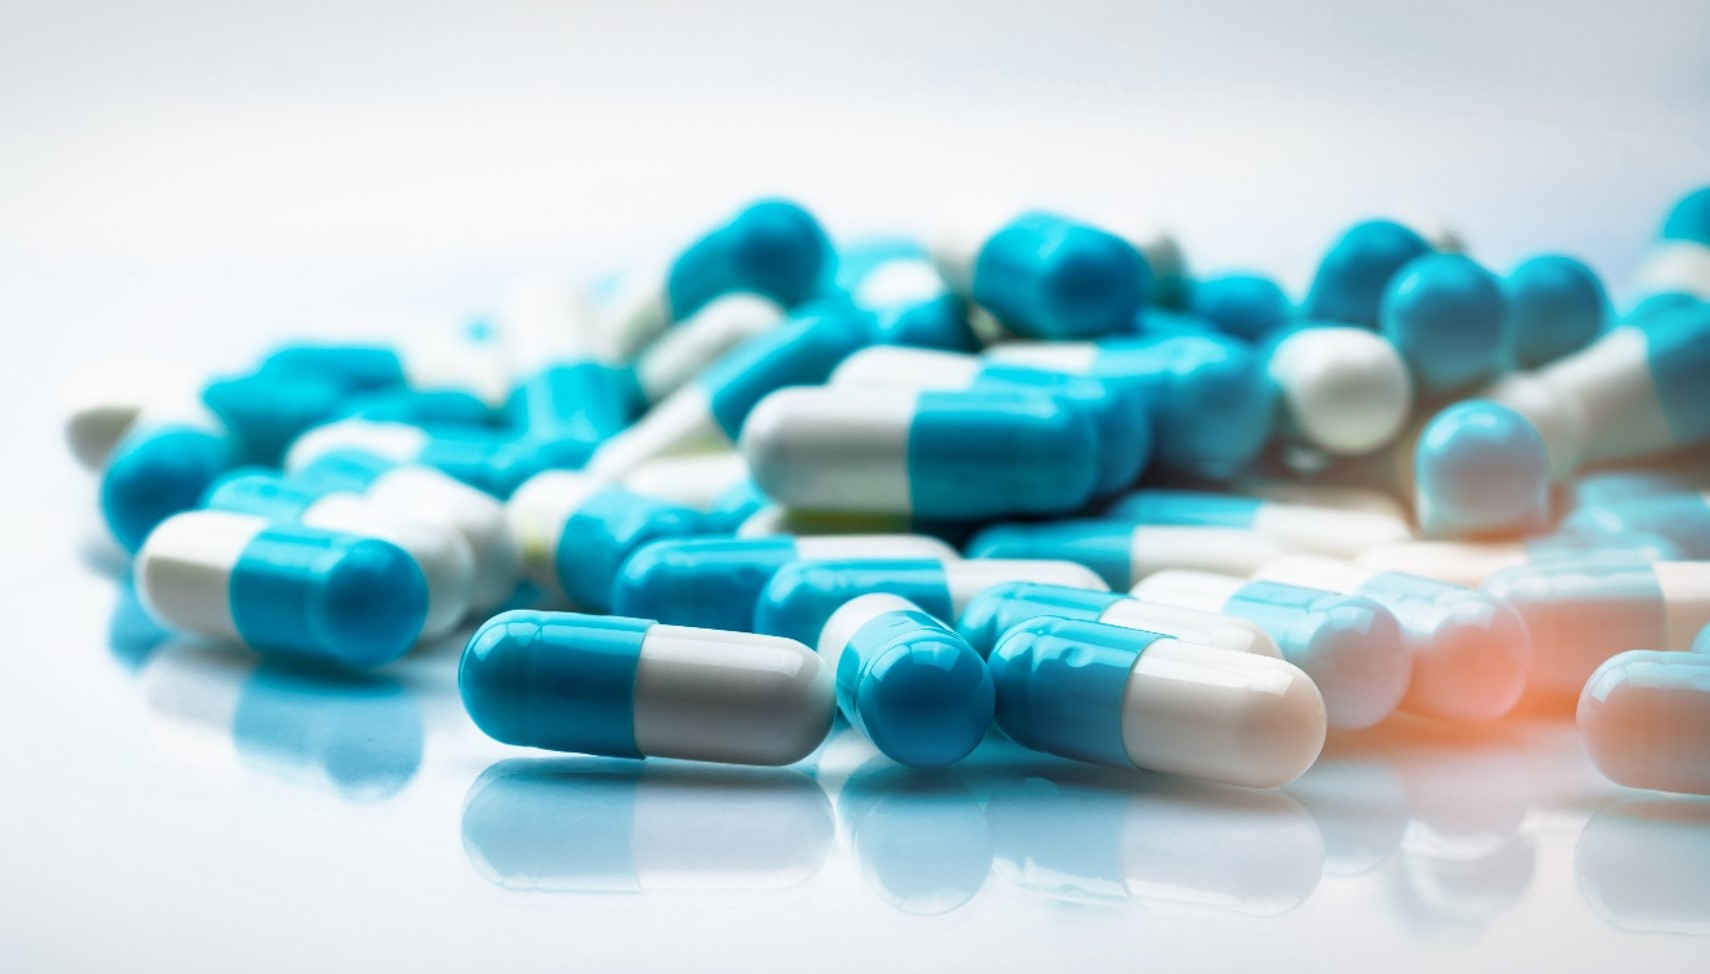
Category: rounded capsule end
<point>1481,468</point>
<point>926,703</point>
<point>371,605</point>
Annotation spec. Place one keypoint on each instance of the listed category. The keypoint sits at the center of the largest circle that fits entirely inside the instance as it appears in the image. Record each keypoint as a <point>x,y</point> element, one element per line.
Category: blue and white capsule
<point>1344,390</point>
<point>493,462</point>
<point>162,466</point>
<point>1633,392</point>
<point>687,349</point>
<point>707,415</point>
<point>951,455</point>
<point>1043,275</point>
<point>1119,412</point>
<point>802,596</point>
<point>1003,607</point>
<point>1213,407</point>
<point>1682,518</point>
<point>716,582</point>
<point>772,247</point>
<point>1582,613</point>
<point>439,551</point>
<point>906,297</point>
<point>1679,262</point>
<point>1555,307</point>
<point>1123,553</point>
<point>1471,652</point>
<point>1351,646</point>
<point>1444,314</point>
<point>1302,527</point>
<point>102,403</point>
<point>631,688</point>
<point>1351,280</point>
<point>1127,698</point>
<point>427,495</point>
<point>282,588</point>
<point>574,533</point>
<point>912,686</point>
<point>701,481</point>
<point>1644,717</point>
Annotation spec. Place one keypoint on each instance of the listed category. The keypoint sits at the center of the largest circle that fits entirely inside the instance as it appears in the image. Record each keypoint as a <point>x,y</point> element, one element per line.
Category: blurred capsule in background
<point>574,533</point>
<point>283,588</point>
<point>1483,465</point>
<point>1250,307</point>
<point>1344,390</point>
<point>493,461</point>
<point>357,736</point>
<point>104,400</point>
<point>699,480</point>
<point>1682,518</point>
<point>438,550</point>
<point>1641,865</point>
<point>1444,314</point>
<point>1555,306</point>
<point>716,582</point>
<point>1472,563</point>
<point>428,495</point>
<point>1644,717</point>
<point>799,599</point>
<point>1303,526</point>
<point>772,247</point>
<point>590,826</point>
<point>1128,698</point>
<point>163,464</point>
<point>907,682</point>
<point>1581,613</point>
<point>1351,280</point>
<point>1043,276</point>
<point>968,455</point>
<point>1350,646</point>
<point>674,359</point>
<point>1123,554</point>
<point>632,688</point>
<point>1003,607</point>
<point>1679,261</point>
<point>1470,652</point>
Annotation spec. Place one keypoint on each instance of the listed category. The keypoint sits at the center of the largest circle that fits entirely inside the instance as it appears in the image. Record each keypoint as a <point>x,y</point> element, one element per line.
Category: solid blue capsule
<point>1350,282</point>
<point>913,687</point>
<point>1351,646</point>
<point>632,688</point>
<point>1250,307</point>
<point>1445,314</point>
<point>801,596</point>
<point>283,588</point>
<point>575,533</point>
<point>1045,276</point>
<point>716,582</point>
<point>1555,307</point>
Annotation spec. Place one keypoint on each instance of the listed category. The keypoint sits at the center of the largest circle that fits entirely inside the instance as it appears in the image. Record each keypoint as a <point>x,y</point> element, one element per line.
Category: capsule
<point>1582,613</point>
<point>264,412</point>
<point>1128,698</point>
<point>708,414</point>
<point>1632,393</point>
<point>432,358</point>
<point>1305,527</point>
<point>716,582</point>
<point>1471,652</point>
<point>1602,488</point>
<point>1122,554</point>
<point>569,384</point>
<point>1351,646</point>
<point>1683,519</point>
<point>906,298</point>
<point>494,462</point>
<point>103,402</point>
<point>1213,408</point>
<point>767,519</point>
<point>1121,418</point>
<point>282,588</point>
<point>1250,307</point>
<point>802,596</point>
<point>1001,608</point>
<point>702,481</point>
<point>423,407</point>
<point>1444,313</point>
<point>1043,275</point>
<point>965,455</point>
<point>772,247</point>
<point>913,687</point>
<point>427,495</point>
<point>1679,261</point>
<point>1555,307</point>
<point>1472,563</point>
<point>674,359</point>
<point>440,553</point>
<point>632,688</point>
<point>1351,280</point>
<point>1344,390</point>
<point>574,532</point>
<point>161,467</point>
<point>1644,717</point>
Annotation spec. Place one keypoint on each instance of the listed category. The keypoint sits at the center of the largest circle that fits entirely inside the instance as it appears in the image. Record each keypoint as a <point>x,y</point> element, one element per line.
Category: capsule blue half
<point>1445,314</point>
<point>1555,307</point>
<point>1350,282</point>
<point>1045,276</point>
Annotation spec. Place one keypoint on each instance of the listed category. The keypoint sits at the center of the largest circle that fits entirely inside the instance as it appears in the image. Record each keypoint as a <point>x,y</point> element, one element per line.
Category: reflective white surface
<point>190,180</point>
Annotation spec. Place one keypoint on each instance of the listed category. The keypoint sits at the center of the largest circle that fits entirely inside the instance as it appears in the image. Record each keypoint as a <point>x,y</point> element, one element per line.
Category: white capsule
<point>102,403</point>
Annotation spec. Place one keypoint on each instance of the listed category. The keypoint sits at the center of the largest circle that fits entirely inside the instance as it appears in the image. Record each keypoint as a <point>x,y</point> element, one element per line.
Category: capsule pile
<point>1033,474</point>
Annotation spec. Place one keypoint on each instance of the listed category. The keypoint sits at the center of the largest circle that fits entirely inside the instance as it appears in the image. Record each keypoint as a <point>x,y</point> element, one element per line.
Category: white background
<point>190,181</point>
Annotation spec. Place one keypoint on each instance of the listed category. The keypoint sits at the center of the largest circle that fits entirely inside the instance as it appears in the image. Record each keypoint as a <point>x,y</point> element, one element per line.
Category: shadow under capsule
<point>357,736</point>
<point>595,825</point>
<point>920,838</point>
<point>1643,864</point>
